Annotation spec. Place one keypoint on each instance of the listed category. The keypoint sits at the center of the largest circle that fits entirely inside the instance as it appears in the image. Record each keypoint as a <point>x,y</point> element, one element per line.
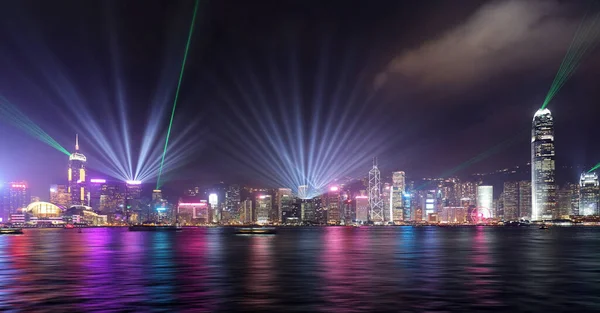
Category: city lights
<point>133,182</point>
<point>98,181</point>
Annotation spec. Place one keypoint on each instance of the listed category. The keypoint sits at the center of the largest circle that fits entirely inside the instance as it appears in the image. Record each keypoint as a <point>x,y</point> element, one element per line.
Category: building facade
<point>543,184</point>
<point>77,186</point>
<point>589,193</point>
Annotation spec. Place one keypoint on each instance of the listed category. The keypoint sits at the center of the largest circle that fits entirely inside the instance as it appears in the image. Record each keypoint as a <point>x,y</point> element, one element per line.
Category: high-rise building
<point>485,199</point>
<point>97,187</point>
<point>574,198</point>
<point>60,196</point>
<point>263,206</point>
<point>232,201</point>
<point>14,196</point>
<point>362,209</point>
<point>303,191</point>
<point>308,210</point>
<point>77,176</point>
<point>543,166</point>
<point>511,201</point>
<point>332,202</point>
<point>156,195</point>
<point>375,202</point>
<point>524,200</point>
<point>589,193</point>
<point>397,195</point>
<point>283,205</point>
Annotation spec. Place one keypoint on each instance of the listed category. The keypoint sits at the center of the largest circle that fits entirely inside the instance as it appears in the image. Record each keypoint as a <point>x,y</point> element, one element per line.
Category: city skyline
<point>320,130</point>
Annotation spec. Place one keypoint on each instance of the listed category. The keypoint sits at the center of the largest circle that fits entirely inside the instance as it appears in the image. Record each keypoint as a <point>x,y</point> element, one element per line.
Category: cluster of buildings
<point>392,200</point>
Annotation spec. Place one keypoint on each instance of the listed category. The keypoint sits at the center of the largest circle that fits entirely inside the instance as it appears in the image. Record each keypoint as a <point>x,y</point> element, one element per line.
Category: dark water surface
<point>333,269</point>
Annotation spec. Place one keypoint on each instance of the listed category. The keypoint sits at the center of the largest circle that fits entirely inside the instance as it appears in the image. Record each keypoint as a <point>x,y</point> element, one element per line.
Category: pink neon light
<point>262,196</point>
<point>98,180</point>
<point>18,186</point>
<point>334,188</point>
<point>194,203</point>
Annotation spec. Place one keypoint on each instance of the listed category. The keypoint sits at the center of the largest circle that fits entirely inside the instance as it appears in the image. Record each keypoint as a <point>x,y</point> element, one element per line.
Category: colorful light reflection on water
<point>340,269</point>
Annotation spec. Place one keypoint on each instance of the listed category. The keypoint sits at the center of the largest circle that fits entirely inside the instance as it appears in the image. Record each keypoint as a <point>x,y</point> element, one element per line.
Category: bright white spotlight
<point>133,182</point>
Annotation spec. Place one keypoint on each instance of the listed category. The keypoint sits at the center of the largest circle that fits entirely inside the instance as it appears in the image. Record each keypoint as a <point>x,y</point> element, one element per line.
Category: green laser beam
<point>185,54</point>
<point>12,115</point>
<point>597,166</point>
<point>583,42</point>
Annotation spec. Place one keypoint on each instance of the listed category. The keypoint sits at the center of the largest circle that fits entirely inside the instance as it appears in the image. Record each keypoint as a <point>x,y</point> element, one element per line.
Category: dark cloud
<point>500,37</point>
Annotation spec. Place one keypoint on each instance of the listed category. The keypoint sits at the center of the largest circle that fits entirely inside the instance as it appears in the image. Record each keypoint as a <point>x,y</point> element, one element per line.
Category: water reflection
<point>339,269</point>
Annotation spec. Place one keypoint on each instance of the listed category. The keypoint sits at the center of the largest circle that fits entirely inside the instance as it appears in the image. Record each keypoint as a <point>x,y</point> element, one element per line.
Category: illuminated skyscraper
<point>60,196</point>
<point>284,204</point>
<point>303,192</point>
<point>13,197</point>
<point>362,209</point>
<point>543,187</point>
<point>589,193</point>
<point>510,201</point>
<point>333,199</point>
<point>485,198</point>
<point>77,183</point>
<point>263,205</point>
<point>375,201</point>
<point>396,196</point>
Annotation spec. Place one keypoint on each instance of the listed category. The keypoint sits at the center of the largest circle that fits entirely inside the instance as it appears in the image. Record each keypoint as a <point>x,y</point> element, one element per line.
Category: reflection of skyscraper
<point>543,167</point>
<point>589,192</point>
<point>76,175</point>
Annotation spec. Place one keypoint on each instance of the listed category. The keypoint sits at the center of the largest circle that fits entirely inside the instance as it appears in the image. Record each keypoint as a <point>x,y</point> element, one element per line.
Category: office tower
<point>589,192</point>
<point>332,202</point>
<point>543,188</point>
<point>511,201</point>
<point>97,187</point>
<point>574,198</point>
<point>156,195</point>
<point>397,195</point>
<point>524,200</point>
<point>133,194</point>
<point>262,208</point>
<point>485,199</point>
<point>232,201</point>
<point>308,210</point>
<point>283,205</point>
<point>362,209</point>
<point>466,193</point>
<point>14,196</point>
<point>375,201</point>
<point>191,211</point>
<point>77,177</point>
<point>60,196</point>
<point>406,208</point>
<point>303,191</point>
<point>429,203</point>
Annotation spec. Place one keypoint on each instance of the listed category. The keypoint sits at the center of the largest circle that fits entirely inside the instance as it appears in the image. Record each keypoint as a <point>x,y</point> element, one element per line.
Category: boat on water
<point>256,230</point>
<point>69,226</point>
<point>151,226</point>
<point>543,226</point>
<point>10,231</point>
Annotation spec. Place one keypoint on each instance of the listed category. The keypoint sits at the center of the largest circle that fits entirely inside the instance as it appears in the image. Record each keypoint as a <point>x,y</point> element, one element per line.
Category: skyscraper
<point>375,201</point>
<point>396,195</point>
<point>13,196</point>
<point>485,198</point>
<point>284,204</point>
<point>76,175</point>
<point>263,205</point>
<point>543,187</point>
<point>511,201</point>
<point>362,209</point>
<point>334,215</point>
<point>589,193</point>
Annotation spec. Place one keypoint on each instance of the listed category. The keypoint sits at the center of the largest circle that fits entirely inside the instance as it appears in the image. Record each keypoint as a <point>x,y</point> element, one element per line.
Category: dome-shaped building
<point>44,209</point>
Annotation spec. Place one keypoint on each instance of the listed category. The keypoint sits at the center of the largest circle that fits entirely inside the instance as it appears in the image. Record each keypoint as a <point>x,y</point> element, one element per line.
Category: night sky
<point>432,83</point>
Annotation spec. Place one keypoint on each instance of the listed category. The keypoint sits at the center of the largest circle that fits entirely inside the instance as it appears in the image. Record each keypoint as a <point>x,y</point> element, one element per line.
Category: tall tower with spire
<point>543,186</point>
<point>77,176</point>
<point>375,201</point>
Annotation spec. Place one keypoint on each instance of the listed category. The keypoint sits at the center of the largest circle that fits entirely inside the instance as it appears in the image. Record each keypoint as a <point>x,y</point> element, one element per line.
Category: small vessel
<point>152,226</point>
<point>10,231</point>
<point>69,226</point>
<point>543,226</point>
<point>256,230</point>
